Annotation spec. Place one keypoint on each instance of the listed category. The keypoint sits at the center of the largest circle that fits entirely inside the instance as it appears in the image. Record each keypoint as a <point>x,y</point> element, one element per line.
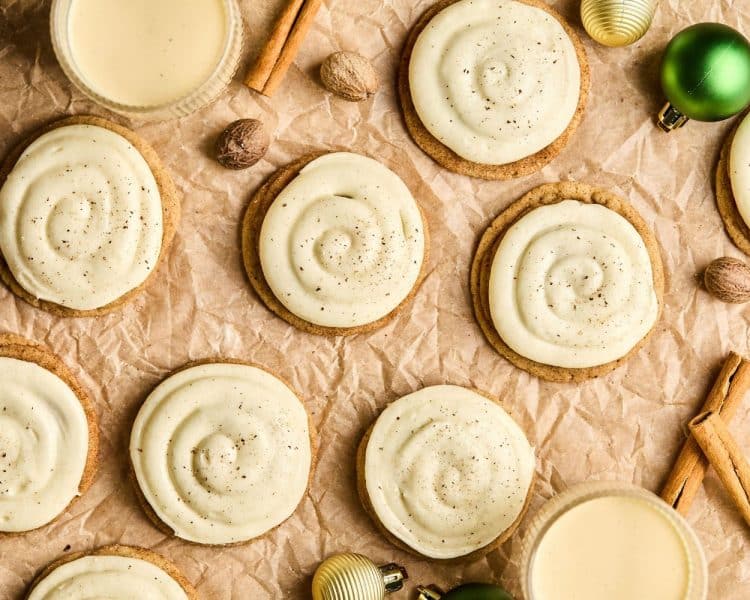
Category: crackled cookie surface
<point>81,219</point>
<point>221,452</point>
<point>43,445</point>
<point>447,471</point>
<point>342,245</point>
<point>494,80</point>
<point>111,577</point>
<point>572,286</point>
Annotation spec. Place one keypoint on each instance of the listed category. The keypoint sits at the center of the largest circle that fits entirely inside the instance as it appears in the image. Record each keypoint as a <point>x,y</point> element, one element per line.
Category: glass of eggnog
<point>155,59</point>
<point>611,540</point>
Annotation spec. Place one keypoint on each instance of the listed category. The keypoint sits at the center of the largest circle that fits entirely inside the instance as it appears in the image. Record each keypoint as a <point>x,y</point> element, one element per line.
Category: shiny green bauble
<point>477,591</point>
<point>705,72</point>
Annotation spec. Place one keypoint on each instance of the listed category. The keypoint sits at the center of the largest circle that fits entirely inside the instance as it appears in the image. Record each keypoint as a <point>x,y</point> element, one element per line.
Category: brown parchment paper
<point>628,425</point>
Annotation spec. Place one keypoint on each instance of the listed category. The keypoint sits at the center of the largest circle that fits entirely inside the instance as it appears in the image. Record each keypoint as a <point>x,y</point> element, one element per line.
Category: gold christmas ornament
<point>355,577</point>
<point>617,22</point>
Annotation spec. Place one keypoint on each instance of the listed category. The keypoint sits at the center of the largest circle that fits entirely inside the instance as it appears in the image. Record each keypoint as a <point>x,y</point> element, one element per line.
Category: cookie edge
<point>20,348</point>
<point>252,223</point>
<point>734,224</point>
<point>446,157</point>
<point>170,201</point>
<point>135,552</point>
<point>553,193</point>
<point>143,501</point>
<point>364,497</point>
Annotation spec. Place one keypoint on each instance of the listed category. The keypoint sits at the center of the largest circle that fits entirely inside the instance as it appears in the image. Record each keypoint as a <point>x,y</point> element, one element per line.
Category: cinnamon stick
<point>726,457</point>
<point>690,468</point>
<point>302,25</point>
<point>259,73</point>
<point>282,46</point>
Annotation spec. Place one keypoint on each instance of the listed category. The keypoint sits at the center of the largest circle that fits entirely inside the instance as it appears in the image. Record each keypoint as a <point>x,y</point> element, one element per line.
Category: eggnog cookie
<point>567,282</point>
<point>122,572</point>
<point>733,185</point>
<point>335,244</point>
<point>86,213</point>
<point>445,473</point>
<point>493,88</point>
<point>48,436</point>
<point>222,452</point>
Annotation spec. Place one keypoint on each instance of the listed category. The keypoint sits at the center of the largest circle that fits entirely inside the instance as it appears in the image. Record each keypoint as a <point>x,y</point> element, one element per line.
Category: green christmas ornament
<point>705,75</point>
<point>468,591</point>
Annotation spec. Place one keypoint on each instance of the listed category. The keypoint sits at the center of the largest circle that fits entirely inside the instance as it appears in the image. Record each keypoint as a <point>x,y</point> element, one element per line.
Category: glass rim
<point>560,504</point>
<point>200,96</point>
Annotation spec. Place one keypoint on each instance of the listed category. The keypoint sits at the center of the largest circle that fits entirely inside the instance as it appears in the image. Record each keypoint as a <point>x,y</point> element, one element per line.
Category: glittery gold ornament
<point>617,22</point>
<point>355,577</point>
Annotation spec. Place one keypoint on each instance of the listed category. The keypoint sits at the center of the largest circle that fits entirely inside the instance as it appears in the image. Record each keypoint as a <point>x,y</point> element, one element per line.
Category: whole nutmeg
<point>242,144</point>
<point>349,75</point>
<point>728,279</point>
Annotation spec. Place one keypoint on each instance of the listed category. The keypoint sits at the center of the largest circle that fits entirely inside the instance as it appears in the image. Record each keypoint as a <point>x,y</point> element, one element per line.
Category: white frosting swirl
<point>43,445</point>
<point>222,452</point>
<point>447,470</point>
<point>572,286</point>
<point>494,80</point>
<point>80,217</point>
<point>104,577</point>
<point>342,245</point>
<point>739,169</point>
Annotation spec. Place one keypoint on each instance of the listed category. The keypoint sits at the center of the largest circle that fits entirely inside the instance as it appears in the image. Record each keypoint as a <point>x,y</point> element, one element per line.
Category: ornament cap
<point>670,118</point>
<point>428,594</point>
<point>393,577</point>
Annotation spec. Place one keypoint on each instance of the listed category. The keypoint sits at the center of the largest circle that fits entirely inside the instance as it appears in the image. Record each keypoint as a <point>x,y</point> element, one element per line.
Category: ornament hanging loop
<point>670,118</point>
<point>393,577</point>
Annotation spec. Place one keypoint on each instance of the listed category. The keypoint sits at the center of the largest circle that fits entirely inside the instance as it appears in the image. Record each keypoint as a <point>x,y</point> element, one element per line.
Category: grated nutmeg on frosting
<point>571,285</point>
<point>447,470</point>
<point>343,244</point>
<point>81,219</point>
<point>494,80</point>
<point>43,445</point>
<point>222,452</point>
<point>104,576</point>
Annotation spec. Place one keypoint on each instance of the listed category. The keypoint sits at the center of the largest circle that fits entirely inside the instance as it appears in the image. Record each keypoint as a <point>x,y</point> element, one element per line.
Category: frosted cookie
<point>222,453</point>
<point>335,243</point>
<point>492,88</point>
<point>445,472</point>
<point>48,436</point>
<point>117,572</point>
<point>733,185</point>
<point>86,214</point>
<point>567,282</point>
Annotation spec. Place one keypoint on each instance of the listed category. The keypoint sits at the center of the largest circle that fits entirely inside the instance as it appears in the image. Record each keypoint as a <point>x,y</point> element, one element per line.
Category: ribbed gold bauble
<point>355,577</point>
<point>617,22</point>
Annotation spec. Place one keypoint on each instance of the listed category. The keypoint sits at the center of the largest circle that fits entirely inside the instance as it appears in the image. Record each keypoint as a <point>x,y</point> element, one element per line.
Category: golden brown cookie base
<point>134,552</point>
<point>481,266</point>
<point>14,346</point>
<point>169,200</point>
<point>446,157</point>
<point>364,498</point>
<point>251,226</point>
<point>151,513</point>
<point>735,225</point>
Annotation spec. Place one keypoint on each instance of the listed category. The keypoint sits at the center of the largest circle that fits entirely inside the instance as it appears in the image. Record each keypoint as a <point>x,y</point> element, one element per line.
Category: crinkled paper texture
<point>628,425</point>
